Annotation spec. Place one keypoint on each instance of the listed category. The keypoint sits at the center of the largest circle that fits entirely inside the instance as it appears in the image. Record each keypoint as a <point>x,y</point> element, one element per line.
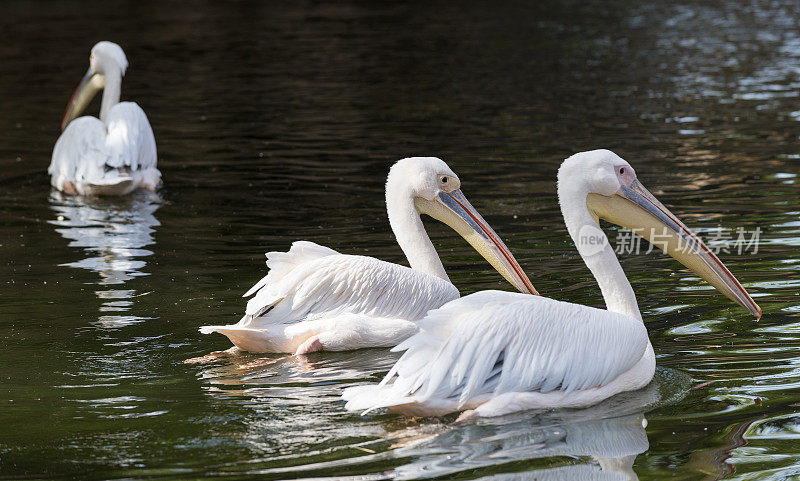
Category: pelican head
<point>613,193</point>
<point>434,189</point>
<point>106,59</point>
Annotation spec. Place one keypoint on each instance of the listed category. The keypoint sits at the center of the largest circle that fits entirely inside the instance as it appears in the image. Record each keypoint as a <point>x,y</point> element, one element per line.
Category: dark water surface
<point>279,122</point>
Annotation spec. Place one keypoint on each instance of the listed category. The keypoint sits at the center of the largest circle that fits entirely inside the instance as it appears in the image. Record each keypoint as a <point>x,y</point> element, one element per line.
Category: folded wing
<point>311,281</point>
<point>494,342</point>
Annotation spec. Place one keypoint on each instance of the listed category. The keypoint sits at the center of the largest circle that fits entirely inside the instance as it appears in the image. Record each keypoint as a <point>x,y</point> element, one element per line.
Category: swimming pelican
<point>496,352</point>
<point>314,298</point>
<point>112,155</point>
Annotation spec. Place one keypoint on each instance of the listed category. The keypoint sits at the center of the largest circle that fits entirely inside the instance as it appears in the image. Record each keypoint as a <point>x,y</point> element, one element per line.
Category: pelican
<point>491,353</point>
<point>315,298</point>
<point>112,155</point>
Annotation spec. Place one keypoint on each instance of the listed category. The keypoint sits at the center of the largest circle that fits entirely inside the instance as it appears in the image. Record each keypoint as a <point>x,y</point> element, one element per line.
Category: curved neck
<point>587,235</point>
<point>410,233</point>
<point>111,92</point>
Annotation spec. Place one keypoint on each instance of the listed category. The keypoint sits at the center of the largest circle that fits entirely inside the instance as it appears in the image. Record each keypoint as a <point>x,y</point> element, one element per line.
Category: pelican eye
<point>622,170</point>
<point>444,179</point>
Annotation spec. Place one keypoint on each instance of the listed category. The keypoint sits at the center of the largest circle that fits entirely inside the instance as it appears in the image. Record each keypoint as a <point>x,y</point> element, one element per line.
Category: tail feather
<point>248,339</point>
<point>209,329</point>
<point>111,185</point>
<point>371,397</point>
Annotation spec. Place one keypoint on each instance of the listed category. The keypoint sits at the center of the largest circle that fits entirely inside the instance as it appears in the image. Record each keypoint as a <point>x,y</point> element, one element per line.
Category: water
<point>279,122</point>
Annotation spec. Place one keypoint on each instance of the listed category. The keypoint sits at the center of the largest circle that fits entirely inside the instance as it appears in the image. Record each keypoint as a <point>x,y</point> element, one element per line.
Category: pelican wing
<point>130,141</point>
<point>80,152</point>
<point>494,342</point>
<point>88,152</point>
<point>311,281</point>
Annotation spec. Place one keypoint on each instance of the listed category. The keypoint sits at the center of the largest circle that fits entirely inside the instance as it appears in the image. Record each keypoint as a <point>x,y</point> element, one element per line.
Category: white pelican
<point>112,155</point>
<point>314,298</point>
<point>496,352</point>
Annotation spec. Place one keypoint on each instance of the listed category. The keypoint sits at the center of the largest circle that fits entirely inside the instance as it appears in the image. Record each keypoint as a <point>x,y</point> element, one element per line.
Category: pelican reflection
<point>597,443</point>
<point>598,448</point>
<point>113,234</point>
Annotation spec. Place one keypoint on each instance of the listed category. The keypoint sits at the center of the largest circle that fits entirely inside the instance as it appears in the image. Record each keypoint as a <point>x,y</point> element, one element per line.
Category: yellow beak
<point>454,209</point>
<point>634,207</point>
<point>91,83</point>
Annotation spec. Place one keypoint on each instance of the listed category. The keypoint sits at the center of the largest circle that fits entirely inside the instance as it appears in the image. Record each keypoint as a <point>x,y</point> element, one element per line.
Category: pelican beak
<point>91,83</point>
<point>634,207</point>
<point>454,209</point>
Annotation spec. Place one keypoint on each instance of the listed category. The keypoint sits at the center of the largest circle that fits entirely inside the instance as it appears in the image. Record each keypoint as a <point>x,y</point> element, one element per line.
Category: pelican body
<point>112,155</point>
<point>315,298</point>
<point>491,353</point>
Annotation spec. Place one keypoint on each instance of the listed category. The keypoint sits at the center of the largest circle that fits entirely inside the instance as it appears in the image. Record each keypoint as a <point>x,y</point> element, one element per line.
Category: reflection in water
<point>596,443</point>
<point>114,233</point>
<point>599,448</point>
<point>716,461</point>
<point>260,376</point>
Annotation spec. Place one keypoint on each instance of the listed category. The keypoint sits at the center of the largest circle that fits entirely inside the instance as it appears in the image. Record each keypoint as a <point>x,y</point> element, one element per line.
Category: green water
<point>278,122</point>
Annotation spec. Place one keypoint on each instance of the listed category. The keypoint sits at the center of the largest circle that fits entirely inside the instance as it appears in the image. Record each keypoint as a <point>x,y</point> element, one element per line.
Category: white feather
<point>493,342</point>
<point>111,160</point>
